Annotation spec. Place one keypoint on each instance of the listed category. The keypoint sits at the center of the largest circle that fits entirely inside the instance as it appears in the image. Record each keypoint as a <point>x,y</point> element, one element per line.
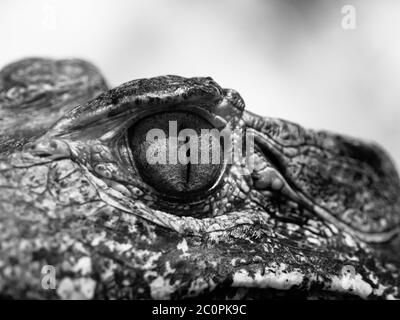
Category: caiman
<point>83,215</point>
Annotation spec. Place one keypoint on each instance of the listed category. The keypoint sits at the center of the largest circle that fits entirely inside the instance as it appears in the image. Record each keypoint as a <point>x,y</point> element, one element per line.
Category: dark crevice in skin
<point>281,169</point>
<point>301,221</point>
<point>272,158</point>
<point>308,206</point>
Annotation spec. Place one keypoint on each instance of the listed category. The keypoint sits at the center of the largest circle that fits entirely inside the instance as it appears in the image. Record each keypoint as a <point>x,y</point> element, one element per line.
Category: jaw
<point>253,252</point>
<point>102,251</point>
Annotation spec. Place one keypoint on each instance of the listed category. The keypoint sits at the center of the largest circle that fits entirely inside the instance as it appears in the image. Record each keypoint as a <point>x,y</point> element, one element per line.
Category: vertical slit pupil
<point>172,178</point>
<point>188,167</point>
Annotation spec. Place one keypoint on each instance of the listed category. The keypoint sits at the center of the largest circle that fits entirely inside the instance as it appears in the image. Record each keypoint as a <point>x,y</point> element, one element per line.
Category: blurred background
<point>288,58</point>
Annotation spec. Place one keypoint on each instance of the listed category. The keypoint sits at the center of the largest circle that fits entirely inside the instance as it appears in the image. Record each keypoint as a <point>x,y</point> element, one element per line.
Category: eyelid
<point>119,129</point>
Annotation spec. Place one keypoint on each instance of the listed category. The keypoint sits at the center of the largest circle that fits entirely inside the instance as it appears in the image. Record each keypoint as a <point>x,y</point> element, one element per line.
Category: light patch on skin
<point>277,279</point>
<point>151,256</point>
<point>96,240</point>
<point>83,266</point>
<point>24,245</point>
<point>183,246</point>
<point>234,261</point>
<point>216,236</point>
<point>147,258</point>
<point>48,206</point>
<point>292,228</point>
<point>351,283</point>
<point>168,269</point>
<point>333,228</point>
<point>199,285</point>
<point>161,288</point>
<point>237,261</point>
<point>380,290</point>
<point>77,195</point>
<point>35,179</point>
<point>120,247</point>
<point>76,289</point>
<point>314,241</point>
<point>109,272</point>
<point>373,278</point>
<point>349,240</point>
<point>79,247</point>
<point>131,222</point>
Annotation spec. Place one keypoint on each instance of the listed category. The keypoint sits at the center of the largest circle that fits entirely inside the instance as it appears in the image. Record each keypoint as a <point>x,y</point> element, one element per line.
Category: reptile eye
<point>176,152</point>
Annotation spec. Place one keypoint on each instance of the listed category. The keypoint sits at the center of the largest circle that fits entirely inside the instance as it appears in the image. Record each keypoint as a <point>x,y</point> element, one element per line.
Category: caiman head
<point>167,188</point>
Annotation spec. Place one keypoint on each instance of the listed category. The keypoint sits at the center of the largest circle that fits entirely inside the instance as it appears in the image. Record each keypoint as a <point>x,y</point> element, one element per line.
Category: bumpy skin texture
<point>317,217</point>
<point>35,92</point>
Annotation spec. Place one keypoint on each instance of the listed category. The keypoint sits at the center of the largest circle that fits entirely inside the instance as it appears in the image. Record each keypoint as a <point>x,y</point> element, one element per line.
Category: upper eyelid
<point>128,96</point>
<point>133,117</point>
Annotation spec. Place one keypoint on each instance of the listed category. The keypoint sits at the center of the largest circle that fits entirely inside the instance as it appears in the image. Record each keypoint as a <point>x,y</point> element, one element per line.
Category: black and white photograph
<point>199,151</point>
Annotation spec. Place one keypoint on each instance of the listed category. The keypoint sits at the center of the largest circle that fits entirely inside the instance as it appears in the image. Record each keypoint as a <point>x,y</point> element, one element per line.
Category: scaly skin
<point>315,206</point>
<point>35,92</point>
